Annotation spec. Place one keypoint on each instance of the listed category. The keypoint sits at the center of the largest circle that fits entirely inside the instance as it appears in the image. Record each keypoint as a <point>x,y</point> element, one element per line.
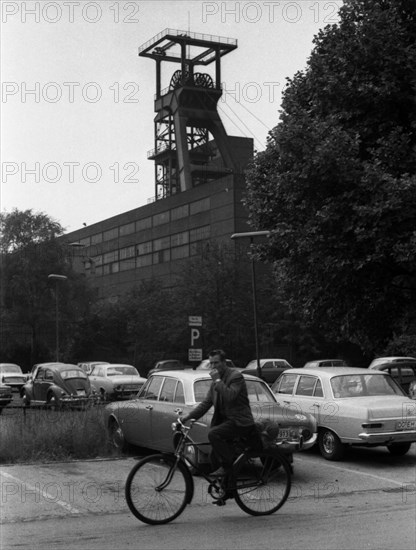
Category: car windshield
<point>72,373</point>
<point>123,370</point>
<point>10,368</point>
<point>359,385</point>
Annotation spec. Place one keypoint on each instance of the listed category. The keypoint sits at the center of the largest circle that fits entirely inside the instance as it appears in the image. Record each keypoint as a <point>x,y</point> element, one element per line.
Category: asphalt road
<point>367,501</point>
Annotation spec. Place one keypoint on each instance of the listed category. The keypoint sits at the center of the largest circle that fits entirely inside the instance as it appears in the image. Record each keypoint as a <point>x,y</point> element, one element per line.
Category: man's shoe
<point>219,472</point>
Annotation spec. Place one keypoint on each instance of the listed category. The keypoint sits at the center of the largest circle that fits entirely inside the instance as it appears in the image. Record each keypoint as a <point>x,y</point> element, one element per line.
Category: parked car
<point>146,421</point>
<point>270,369</point>
<point>352,406</point>
<point>6,395</point>
<point>325,363</point>
<point>58,385</point>
<point>167,364</point>
<point>12,375</point>
<point>32,374</point>
<point>404,372</point>
<point>89,365</point>
<point>395,359</point>
<point>204,364</point>
<point>116,381</point>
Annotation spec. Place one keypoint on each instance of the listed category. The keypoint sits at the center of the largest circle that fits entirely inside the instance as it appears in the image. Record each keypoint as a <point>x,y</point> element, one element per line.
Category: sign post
<point>195,349</point>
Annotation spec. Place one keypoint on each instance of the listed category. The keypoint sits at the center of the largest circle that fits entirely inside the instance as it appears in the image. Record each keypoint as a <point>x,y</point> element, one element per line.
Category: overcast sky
<point>77,101</point>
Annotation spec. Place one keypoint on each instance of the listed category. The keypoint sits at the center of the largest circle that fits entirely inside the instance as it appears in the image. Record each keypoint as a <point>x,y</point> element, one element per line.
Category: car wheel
<point>399,449</point>
<point>330,445</point>
<point>116,436</point>
<point>52,402</point>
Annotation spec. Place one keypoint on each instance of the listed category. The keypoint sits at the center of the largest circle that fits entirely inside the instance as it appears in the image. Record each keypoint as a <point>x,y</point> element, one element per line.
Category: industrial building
<point>199,176</point>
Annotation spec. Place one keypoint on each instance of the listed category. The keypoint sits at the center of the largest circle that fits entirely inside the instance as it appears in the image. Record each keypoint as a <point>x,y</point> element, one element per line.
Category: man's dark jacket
<point>229,398</point>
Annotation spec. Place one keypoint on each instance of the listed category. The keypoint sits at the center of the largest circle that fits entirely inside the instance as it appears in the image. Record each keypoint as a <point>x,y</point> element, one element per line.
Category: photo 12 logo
<point>251,92</point>
<point>68,172</point>
<point>270,12</point>
<point>70,12</point>
<point>70,92</point>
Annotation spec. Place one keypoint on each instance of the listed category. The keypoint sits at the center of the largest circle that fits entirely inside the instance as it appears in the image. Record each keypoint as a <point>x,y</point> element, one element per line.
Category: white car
<point>116,381</point>
<point>87,366</point>
<point>381,360</point>
<point>11,375</point>
<point>352,406</point>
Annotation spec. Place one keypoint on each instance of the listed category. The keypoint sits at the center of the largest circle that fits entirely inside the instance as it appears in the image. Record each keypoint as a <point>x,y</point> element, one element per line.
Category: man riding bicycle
<point>232,413</point>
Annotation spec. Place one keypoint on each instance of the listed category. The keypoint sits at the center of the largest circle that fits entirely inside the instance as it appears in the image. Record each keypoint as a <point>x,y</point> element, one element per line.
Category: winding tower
<point>191,146</point>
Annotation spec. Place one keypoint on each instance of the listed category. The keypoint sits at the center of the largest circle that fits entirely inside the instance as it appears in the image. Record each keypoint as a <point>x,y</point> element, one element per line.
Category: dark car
<point>404,372</point>
<point>5,395</point>
<point>270,369</point>
<point>57,385</point>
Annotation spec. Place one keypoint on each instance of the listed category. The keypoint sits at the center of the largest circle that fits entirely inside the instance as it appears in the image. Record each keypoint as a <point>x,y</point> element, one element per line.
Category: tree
<point>337,181</point>
<point>30,252</point>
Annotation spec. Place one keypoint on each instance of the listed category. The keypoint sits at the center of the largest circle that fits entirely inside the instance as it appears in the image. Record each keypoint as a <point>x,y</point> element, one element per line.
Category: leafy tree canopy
<point>336,184</point>
<point>22,228</point>
<point>30,252</point>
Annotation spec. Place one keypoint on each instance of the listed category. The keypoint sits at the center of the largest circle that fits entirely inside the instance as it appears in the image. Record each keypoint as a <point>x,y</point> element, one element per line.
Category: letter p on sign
<point>195,335</point>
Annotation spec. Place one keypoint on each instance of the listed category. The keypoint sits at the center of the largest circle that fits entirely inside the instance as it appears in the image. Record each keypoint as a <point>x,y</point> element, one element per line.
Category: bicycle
<point>160,486</point>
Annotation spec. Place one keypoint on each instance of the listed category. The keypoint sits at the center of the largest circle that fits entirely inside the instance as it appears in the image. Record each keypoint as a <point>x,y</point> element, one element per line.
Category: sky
<point>77,102</point>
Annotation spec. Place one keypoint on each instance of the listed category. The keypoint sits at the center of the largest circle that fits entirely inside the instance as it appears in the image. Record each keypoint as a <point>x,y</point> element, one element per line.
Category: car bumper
<point>388,437</point>
<point>296,444</point>
<point>79,401</point>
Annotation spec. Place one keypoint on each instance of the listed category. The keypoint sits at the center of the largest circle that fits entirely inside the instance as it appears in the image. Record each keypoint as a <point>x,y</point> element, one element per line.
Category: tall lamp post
<point>57,278</point>
<point>252,235</point>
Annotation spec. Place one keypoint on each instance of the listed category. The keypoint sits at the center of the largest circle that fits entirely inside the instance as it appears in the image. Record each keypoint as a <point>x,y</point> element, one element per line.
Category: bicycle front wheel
<point>262,483</point>
<point>157,490</point>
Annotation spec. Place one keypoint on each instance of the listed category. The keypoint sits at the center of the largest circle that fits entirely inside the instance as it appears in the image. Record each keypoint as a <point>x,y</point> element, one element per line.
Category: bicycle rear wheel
<point>262,483</point>
<point>147,499</point>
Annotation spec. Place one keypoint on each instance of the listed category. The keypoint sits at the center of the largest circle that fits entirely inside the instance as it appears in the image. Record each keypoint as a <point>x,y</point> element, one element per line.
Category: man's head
<point>217,361</point>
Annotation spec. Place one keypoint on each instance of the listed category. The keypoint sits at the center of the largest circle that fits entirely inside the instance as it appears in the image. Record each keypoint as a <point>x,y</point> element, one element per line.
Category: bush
<point>44,435</point>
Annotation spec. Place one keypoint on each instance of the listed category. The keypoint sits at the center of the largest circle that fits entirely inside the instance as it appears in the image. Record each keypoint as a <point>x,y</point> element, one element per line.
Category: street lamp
<point>252,235</point>
<point>57,278</point>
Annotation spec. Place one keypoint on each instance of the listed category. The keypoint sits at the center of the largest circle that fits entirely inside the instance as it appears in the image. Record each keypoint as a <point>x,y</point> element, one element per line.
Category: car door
<point>37,384</point>
<point>96,376</point>
<point>139,427</point>
<point>44,381</point>
<point>308,396</point>
<point>169,406</point>
<point>284,389</point>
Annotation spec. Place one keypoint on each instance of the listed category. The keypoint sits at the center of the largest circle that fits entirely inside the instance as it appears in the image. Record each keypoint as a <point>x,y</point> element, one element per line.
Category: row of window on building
<point>156,251</point>
<point>147,223</point>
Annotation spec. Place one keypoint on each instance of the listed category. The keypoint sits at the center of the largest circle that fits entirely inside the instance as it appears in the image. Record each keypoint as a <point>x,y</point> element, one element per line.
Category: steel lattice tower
<point>191,146</point>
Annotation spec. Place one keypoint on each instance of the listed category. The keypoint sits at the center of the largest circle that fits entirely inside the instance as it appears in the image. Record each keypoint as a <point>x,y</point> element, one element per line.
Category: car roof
<point>60,366</point>
<point>269,359</point>
<point>191,374</point>
<point>322,360</point>
<point>395,365</point>
<point>116,365</point>
<point>330,371</point>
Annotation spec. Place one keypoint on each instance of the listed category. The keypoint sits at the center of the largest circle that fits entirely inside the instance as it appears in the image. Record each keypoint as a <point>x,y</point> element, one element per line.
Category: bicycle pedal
<point>219,502</point>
